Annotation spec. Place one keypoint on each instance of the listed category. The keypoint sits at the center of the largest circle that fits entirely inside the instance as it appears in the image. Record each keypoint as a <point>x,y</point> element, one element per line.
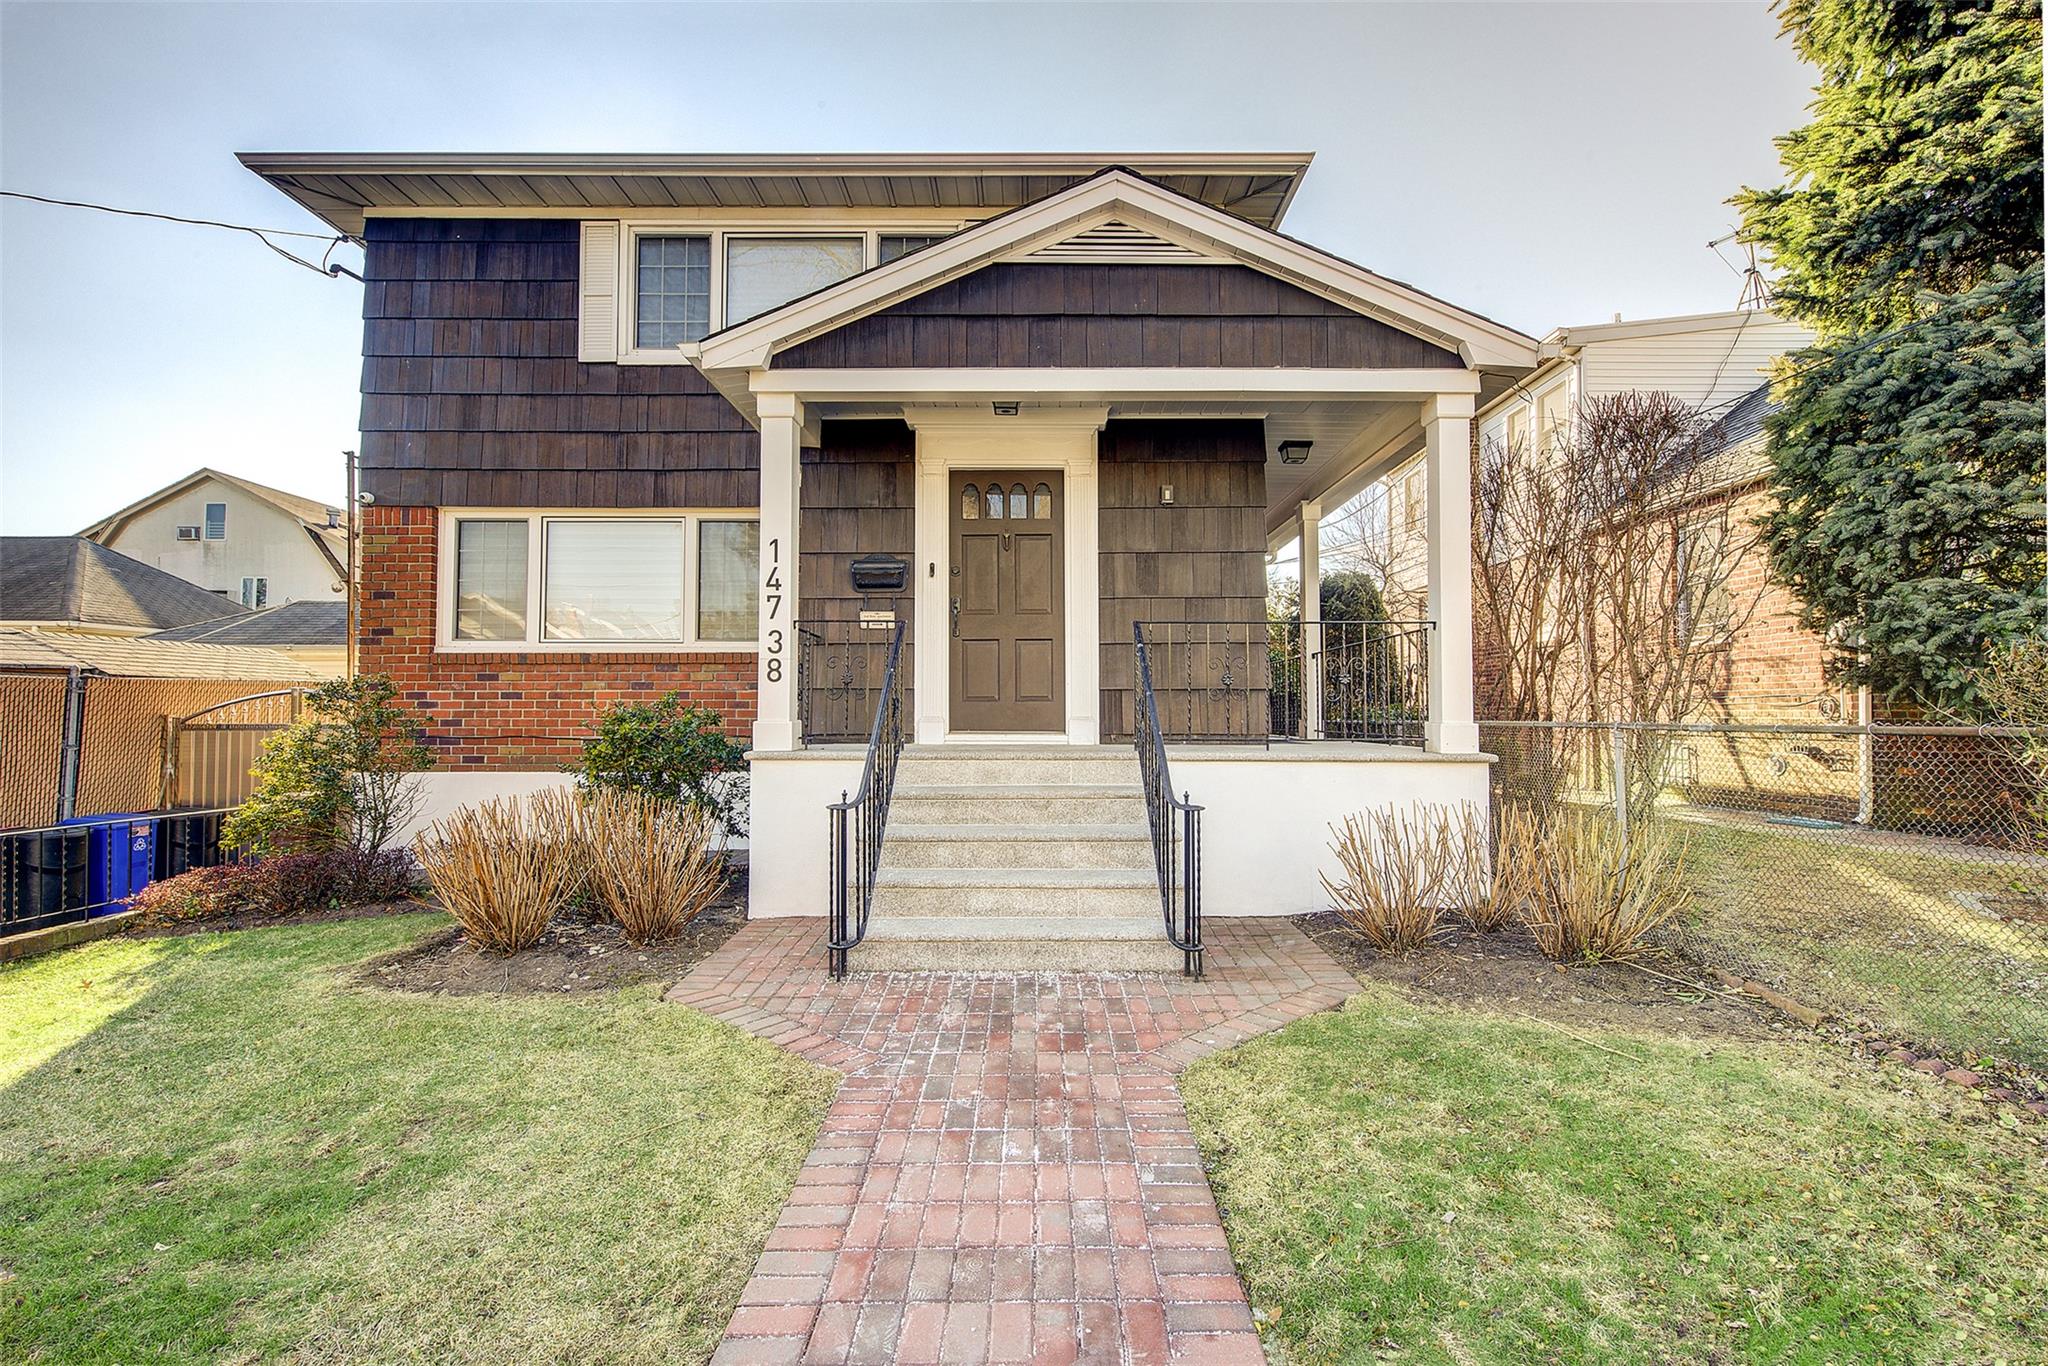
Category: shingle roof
<point>132,657</point>
<point>68,578</point>
<point>1745,420</point>
<point>311,621</point>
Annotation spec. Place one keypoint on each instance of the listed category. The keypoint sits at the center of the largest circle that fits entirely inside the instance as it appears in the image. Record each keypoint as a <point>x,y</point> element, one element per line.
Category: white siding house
<point>255,546</point>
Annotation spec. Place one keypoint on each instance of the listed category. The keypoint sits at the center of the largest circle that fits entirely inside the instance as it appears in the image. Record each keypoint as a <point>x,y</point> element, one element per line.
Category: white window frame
<point>255,591</point>
<point>870,231</point>
<point>206,521</point>
<point>535,641</point>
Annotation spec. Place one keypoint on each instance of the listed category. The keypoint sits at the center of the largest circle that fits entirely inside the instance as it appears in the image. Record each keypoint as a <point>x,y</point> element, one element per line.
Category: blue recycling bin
<point>121,857</point>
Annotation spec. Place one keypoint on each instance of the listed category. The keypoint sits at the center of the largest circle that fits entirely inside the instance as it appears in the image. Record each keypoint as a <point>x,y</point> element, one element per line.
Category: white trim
<point>1130,199</point>
<point>1061,439</point>
<point>864,224</point>
<point>1124,384</point>
<point>536,520</point>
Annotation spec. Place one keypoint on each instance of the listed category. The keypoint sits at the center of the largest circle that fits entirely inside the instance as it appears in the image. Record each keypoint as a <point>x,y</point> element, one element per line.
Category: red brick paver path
<point>1007,1173</point>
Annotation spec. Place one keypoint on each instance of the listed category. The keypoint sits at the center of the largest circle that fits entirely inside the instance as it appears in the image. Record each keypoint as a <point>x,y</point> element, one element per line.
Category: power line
<point>326,266</point>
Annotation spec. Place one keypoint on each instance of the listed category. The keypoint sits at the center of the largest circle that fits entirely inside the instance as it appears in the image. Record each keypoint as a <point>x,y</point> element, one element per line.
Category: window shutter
<point>597,335</point>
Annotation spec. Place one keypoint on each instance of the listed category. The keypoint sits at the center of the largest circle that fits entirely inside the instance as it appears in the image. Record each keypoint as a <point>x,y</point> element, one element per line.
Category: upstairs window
<point>673,304</point>
<point>255,592</point>
<point>766,272</point>
<point>894,245</point>
<point>216,521</point>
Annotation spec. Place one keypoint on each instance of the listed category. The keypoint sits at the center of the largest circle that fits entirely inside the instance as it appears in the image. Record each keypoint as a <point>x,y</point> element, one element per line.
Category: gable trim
<point>1135,202</point>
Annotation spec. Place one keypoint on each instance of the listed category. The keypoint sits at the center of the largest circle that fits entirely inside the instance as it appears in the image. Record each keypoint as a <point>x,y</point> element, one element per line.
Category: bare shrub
<point>497,871</point>
<point>654,864</point>
<point>1395,869</point>
<point>1498,890</point>
<point>1603,888</point>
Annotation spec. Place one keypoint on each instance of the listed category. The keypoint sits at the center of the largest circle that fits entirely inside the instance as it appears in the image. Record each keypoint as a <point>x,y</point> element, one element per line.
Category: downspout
<point>348,667</point>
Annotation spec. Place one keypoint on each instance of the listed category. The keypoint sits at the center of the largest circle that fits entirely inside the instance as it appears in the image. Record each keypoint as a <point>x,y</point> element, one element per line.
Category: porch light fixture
<point>1005,408</point>
<point>1295,452</point>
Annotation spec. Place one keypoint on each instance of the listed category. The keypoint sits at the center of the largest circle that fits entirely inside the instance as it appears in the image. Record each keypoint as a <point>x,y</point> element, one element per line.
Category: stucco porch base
<point>1265,826</point>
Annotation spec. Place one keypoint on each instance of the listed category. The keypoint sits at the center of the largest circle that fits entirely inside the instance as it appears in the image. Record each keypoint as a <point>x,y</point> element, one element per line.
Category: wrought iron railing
<point>857,823</point>
<point>839,667</point>
<point>1175,821</point>
<point>1262,681</point>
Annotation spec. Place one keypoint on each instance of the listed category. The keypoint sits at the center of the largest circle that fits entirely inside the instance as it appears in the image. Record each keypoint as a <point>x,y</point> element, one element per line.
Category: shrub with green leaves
<point>340,776</point>
<point>666,749</point>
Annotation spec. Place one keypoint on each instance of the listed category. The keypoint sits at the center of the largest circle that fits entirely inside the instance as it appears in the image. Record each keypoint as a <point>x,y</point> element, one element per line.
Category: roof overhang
<point>1124,196</point>
<point>342,189</point>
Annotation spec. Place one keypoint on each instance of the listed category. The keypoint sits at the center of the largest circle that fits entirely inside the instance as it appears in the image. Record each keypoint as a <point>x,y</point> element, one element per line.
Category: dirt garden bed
<point>581,951</point>
<point>1504,973</point>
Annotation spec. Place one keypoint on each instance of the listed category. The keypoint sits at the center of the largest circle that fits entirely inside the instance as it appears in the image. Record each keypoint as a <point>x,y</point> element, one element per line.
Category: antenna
<point>1756,290</point>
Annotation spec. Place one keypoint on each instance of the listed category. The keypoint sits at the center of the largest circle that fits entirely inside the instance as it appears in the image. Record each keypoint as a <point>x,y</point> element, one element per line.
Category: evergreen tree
<point>1907,453</point>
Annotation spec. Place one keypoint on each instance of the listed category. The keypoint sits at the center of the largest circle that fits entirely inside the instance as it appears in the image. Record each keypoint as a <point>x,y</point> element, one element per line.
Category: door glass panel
<point>995,501</point>
<point>1041,504</point>
<point>1020,502</point>
<point>970,503</point>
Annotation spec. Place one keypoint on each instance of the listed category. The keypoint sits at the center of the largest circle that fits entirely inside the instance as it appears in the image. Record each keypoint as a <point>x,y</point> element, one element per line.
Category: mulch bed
<point>581,951</point>
<point>1504,972</point>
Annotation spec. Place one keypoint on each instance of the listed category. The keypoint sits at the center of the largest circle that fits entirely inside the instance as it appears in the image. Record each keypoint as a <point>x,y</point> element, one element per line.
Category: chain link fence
<point>1897,874</point>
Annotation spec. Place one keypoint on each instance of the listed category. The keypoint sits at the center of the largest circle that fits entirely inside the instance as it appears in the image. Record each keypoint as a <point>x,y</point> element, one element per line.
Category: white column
<point>1447,430</point>
<point>775,716</point>
<point>1309,523</point>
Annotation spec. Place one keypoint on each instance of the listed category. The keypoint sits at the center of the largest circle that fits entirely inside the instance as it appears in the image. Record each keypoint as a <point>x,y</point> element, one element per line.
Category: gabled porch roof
<point>1359,421</point>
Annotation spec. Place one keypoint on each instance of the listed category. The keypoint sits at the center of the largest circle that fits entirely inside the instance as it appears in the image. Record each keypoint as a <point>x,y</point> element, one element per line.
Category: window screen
<point>490,580</point>
<point>763,272</point>
<point>613,580</point>
<point>728,580</point>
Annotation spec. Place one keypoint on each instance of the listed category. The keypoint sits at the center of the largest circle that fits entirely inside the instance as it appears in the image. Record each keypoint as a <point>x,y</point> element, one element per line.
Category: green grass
<point>1418,1184</point>
<point>215,1148</point>
<point>1875,931</point>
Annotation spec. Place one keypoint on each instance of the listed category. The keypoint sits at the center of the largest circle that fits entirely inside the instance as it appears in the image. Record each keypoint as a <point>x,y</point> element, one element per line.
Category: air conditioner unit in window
<point>188,533</point>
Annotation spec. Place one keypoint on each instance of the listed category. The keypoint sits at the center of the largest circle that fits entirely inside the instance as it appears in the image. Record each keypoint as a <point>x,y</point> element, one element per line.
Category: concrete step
<point>1015,944</point>
<point>1017,846</point>
<point>1005,765</point>
<point>1043,893</point>
<point>1016,804</point>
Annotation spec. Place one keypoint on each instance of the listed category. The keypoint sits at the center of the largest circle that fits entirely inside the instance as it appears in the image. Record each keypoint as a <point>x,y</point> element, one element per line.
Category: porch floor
<point>1007,1173</point>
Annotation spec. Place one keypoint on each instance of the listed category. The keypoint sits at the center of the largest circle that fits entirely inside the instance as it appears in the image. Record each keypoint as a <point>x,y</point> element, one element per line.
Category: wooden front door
<point>1007,608</point>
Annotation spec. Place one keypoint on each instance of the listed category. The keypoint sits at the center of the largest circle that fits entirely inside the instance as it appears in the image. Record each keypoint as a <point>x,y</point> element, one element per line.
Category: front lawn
<point>1411,1182</point>
<point>216,1148</point>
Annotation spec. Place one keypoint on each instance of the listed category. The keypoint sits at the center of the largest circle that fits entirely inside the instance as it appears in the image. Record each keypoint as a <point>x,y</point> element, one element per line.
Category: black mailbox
<point>880,574</point>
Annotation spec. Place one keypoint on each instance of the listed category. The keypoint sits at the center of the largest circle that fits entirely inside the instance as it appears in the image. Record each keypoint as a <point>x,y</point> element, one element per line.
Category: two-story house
<point>947,479</point>
<point>249,543</point>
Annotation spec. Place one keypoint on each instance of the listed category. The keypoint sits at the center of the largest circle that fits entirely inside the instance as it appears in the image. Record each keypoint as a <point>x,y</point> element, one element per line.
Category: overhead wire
<point>326,266</point>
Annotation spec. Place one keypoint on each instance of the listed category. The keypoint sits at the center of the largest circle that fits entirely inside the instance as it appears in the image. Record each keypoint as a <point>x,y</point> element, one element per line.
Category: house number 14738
<point>771,595</point>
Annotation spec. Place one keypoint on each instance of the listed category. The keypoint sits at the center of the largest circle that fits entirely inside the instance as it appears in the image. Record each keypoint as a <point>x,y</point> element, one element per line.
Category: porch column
<point>1447,432</point>
<point>775,715</point>
<point>1309,522</point>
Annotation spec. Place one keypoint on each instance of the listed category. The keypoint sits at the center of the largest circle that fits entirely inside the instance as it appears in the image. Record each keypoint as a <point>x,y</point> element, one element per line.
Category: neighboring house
<point>68,583</point>
<point>313,633</point>
<point>1716,361</point>
<point>636,424</point>
<point>252,544</point>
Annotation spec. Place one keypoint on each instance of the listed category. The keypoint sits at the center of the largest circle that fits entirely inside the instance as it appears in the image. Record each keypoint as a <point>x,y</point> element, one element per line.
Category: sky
<point>1542,164</point>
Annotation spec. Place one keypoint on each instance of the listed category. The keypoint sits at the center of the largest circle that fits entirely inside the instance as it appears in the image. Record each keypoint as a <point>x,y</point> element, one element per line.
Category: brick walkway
<point>1007,1173</point>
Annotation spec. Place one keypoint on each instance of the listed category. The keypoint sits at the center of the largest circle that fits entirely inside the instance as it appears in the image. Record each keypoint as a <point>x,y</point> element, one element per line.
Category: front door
<point>1007,606</point>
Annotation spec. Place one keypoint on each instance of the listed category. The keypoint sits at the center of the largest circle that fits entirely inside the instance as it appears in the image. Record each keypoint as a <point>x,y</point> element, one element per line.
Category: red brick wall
<point>511,710</point>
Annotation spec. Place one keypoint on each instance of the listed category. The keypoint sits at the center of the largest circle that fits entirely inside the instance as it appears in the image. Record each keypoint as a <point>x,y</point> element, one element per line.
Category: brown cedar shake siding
<point>473,396</point>
<point>1202,560</point>
<point>858,499</point>
<point>1117,315</point>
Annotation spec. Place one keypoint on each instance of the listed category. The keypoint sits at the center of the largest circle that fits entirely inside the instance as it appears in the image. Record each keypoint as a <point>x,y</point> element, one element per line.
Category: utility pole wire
<point>326,265</point>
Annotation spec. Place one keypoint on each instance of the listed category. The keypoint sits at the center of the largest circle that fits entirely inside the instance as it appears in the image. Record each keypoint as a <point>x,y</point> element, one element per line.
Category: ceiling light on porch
<point>1005,407</point>
<point>1295,452</point>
